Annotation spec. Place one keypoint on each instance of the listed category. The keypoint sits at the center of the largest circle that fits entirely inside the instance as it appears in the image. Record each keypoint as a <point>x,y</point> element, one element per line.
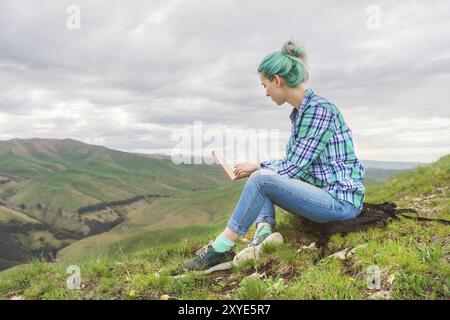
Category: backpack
<point>371,215</point>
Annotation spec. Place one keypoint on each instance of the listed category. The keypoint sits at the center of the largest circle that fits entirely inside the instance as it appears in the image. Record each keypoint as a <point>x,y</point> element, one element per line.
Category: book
<point>226,167</point>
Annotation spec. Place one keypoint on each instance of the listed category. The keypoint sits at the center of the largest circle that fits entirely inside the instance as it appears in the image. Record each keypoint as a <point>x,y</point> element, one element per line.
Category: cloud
<point>137,71</point>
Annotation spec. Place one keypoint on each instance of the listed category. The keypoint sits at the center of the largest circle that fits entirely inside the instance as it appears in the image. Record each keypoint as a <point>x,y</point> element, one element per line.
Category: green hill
<point>68,174</point>
<point>412,257</point>
<point>144,228</point>
<point>74,190</point>
<point>23,237</point>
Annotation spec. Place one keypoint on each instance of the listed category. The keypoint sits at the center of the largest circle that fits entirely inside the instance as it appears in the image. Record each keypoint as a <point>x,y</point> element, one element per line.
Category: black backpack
<point>371,215</point>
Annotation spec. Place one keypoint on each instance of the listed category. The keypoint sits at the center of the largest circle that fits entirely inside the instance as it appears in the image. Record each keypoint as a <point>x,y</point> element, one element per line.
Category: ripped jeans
<point>264,189</point>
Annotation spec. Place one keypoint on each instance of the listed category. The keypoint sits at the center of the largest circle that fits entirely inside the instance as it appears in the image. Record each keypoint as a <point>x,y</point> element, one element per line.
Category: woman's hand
<point>245,169</point>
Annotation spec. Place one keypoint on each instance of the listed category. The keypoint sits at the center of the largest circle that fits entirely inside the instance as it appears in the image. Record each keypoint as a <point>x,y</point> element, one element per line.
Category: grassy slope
<point>22,237</point>
<point>31,240</point>
<point>413,258</point>
<point>373,176</point>
<point>139,230</point>
<point>8,215</point>
<point>63,175</point>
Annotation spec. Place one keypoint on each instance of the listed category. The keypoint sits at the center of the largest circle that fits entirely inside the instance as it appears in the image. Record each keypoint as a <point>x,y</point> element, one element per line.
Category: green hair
<point>289,63</point>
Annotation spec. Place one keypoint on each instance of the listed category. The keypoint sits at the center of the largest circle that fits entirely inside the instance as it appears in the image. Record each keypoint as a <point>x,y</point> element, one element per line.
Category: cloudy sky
<point>135,72</point>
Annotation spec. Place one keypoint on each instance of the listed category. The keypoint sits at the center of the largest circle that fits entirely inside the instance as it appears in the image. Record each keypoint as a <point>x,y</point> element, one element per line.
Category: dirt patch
<point>225,280</point>
<point>273,268</point>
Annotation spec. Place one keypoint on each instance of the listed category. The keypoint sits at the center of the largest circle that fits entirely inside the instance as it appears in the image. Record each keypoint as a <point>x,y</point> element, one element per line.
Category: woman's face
<point>274,88</point>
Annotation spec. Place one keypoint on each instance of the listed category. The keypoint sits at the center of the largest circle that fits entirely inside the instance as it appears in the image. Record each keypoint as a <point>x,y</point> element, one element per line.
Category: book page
<point>226,167</point>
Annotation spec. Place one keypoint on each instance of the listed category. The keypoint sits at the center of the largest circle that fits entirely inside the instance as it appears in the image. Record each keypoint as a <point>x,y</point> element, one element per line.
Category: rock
<point>311,246</point>
<point>353,251</point>
<point>165,297</point>
<point>256,275</point>
<point>380,295</point>
<point>341,255</point>
<point>17,298</point>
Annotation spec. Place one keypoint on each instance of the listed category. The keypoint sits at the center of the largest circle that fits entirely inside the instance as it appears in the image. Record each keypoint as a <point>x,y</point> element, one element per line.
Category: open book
<point>226,167</point>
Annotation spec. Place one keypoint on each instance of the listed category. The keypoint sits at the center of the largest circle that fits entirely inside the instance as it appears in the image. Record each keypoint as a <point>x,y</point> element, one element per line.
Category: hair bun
<point>290,48</point>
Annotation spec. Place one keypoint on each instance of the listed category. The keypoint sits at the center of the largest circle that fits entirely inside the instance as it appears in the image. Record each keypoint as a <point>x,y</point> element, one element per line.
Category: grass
<point>412,258</point>
<point>8,215</point>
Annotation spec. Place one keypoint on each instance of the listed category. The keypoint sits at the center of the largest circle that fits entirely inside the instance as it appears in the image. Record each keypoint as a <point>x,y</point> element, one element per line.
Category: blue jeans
<point>264,189</point>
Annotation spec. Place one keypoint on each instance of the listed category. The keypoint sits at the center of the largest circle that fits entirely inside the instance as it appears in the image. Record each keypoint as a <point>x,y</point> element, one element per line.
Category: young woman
<point>320,178</point>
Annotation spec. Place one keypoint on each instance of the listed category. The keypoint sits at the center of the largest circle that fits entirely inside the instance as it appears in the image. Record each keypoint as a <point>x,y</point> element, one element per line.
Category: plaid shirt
<point>320,151</point>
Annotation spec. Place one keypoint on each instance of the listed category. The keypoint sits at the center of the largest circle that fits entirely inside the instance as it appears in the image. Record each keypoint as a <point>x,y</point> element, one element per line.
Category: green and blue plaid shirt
<point>320,151</point>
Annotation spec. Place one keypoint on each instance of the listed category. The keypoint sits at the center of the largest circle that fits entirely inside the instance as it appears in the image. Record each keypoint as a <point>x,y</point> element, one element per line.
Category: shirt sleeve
<point>314,131</point>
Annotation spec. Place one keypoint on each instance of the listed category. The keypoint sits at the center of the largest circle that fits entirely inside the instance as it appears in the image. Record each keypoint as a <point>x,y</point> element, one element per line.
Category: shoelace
<point>254,242</point>
<point>255,237</point>
<point>202,251</point>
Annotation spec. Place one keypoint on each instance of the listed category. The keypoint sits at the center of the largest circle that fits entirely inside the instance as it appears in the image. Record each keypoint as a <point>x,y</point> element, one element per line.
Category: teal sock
<point>222,244</point>
<point>264,230</point>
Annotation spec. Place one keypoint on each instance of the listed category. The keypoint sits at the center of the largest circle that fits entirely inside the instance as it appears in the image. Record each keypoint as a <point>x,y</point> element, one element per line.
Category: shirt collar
<point>306,99</point>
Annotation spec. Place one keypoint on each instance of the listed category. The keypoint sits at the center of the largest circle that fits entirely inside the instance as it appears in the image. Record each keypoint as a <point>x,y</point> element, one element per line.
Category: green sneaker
<point>258,238</point>
<point>208,259</point>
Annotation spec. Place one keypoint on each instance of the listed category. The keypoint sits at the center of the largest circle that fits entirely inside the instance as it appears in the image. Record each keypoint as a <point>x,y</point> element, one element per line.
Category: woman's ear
<point>278,80</point>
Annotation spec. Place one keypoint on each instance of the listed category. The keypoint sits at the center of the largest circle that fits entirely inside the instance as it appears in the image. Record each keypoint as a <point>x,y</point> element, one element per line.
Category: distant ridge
<point>391,165</point>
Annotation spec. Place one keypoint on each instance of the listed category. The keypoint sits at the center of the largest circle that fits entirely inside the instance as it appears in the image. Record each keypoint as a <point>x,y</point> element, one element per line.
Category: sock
<point>222,243</point>
<point>265,230</point>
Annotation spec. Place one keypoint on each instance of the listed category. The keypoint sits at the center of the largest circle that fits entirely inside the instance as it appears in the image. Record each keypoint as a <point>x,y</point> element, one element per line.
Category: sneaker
<point>258,238</point>
<point>253,251</point>
<point>208,258</point>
